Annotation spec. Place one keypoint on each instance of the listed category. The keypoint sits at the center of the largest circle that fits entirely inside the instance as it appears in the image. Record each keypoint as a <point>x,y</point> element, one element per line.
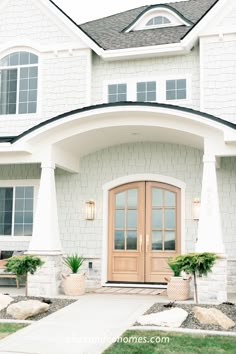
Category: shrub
<point>22,265</point>
<point>195,264</point>
<point>74,262</point>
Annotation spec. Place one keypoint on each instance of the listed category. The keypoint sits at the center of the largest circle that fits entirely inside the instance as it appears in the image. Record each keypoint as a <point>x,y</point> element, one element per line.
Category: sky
<point>87,10</point>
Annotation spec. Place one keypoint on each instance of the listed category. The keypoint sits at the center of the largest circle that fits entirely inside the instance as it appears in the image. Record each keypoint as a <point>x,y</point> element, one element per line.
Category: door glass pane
<point>156,197</point>
<point>120,200</point>
<point>119,240</point>
<point>169,240</point>
<point>131,219</point>
<point>157,240</point>
<point>157,219</point>
<point>132,198</point>
<point>169,218</point>
<point>131,240</point>
<point>169,199</point>
<point>119,219</point>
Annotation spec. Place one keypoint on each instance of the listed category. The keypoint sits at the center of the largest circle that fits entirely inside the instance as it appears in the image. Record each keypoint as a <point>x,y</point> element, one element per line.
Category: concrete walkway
<point>87,326</point>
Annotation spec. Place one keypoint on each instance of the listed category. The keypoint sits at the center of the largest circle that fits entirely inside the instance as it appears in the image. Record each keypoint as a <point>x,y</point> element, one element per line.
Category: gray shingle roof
<point>109,33</point>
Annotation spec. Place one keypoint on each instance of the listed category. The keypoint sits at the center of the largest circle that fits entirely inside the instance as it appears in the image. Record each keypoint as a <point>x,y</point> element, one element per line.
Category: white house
<point>133,116</point>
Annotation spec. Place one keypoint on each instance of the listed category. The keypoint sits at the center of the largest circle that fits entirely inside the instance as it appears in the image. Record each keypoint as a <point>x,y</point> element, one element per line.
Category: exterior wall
<point>64,74</point>
<point>158,69</point>
<point>23,19</point>
<point>218,76</point>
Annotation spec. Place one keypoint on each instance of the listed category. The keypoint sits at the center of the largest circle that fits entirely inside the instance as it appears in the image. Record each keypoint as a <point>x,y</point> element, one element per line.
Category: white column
<point>212,288</point>
<point>209,229</point>
<point>45,241</point>
<point>46,238</point>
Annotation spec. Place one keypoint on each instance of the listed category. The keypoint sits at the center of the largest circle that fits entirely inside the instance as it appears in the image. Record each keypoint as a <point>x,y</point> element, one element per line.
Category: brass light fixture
<point>196,209</point>
<point>89,210</point>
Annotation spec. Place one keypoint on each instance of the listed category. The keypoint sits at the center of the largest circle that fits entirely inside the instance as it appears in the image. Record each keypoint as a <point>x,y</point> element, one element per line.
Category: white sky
<point>82,11</point>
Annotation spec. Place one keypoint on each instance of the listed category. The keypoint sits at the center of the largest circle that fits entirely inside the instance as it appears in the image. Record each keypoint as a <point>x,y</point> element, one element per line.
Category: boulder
<point>5,300</point>
<point>169,318</point>
<point>212,316</point>
<point>25,309</point>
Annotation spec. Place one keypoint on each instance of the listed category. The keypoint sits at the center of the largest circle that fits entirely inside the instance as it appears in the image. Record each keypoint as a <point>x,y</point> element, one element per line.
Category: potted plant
<point>74,284</point>
<point>178,287</point>
<point>196,264</point>
<point>22,265</point>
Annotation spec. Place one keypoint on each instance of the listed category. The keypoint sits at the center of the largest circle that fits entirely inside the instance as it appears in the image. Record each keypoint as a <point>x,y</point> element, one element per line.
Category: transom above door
<point>144,231</point>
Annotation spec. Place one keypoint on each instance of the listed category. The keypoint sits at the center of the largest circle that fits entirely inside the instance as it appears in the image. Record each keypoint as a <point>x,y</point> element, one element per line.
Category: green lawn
<point>8,328</point>
<point>171,343</point>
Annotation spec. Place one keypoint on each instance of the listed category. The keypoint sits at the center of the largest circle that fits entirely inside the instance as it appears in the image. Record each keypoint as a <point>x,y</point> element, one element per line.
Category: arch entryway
<point>144,230</point>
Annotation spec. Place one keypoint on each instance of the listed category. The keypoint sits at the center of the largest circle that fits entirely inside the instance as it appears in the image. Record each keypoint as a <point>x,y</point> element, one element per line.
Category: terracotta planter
<point>178,289</point>
<point>74,284</point>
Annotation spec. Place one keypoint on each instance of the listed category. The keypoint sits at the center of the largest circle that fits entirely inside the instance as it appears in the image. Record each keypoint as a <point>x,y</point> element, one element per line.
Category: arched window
<point>158,21</point>
<point>18,83</point>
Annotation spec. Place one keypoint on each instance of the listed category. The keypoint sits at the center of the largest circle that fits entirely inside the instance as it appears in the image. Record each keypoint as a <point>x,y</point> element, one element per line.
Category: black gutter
<point>6,139</point>
<point>12,140</point>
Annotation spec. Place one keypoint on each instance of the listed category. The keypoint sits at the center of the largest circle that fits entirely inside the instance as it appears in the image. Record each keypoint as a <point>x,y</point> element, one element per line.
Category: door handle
<point>147,243</point>
<point>140,242</point>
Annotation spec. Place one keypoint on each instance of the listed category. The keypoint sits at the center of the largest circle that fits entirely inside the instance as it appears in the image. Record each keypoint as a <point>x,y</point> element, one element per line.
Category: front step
<point>129,291</point>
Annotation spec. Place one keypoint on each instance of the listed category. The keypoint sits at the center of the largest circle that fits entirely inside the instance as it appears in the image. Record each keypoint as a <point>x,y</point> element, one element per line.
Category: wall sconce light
<point>89,210</point>
<point>196,209</point>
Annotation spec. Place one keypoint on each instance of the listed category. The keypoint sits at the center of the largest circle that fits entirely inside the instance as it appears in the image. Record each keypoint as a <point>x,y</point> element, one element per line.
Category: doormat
<point>129,291</point>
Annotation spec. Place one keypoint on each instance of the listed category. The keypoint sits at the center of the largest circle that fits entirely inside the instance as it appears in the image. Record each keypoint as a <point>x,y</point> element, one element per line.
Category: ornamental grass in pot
<point>74,283</point>
<point>178,287</point>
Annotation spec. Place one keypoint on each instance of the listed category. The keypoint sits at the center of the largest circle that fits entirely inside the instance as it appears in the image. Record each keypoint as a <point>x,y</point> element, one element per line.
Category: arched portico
<point>64,140</point>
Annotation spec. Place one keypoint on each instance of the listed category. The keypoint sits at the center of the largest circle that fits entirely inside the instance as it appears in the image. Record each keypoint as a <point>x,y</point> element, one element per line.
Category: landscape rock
<point>212,316</point>
<point>169,318</point>
<point>25,309</point>
<point>5,300</point>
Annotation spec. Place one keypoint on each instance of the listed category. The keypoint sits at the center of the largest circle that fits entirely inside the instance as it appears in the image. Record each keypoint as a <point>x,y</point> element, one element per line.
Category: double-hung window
<point>18,83</point>
<point>16,210</point>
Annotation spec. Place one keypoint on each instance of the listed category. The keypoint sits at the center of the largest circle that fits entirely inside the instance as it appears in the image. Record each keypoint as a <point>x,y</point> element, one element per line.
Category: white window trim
<point>160,88</point>
<point>175,19</point>
<point>39,92</point>
<point>20,183</point>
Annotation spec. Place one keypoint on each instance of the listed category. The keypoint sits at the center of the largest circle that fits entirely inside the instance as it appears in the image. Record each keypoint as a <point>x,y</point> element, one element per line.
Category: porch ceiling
<point>98,139</point>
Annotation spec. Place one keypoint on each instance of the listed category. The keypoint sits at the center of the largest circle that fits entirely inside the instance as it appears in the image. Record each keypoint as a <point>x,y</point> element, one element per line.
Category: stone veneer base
<point>213,288</point>
<point>45,282</point>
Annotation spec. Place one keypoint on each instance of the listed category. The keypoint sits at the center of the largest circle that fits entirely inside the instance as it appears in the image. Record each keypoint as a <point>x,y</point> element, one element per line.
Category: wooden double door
<point>144,231</point>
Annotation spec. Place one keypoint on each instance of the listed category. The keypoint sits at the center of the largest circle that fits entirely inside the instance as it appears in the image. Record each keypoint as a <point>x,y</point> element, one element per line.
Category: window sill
<point>15,238</point>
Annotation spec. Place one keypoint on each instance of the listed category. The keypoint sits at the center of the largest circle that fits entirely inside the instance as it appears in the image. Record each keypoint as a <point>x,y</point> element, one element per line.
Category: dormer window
<point>158,16</point>
<point>158,21</point>
<point>18,83</point>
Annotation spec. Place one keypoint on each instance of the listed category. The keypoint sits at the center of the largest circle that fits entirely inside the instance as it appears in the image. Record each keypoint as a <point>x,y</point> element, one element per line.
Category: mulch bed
<point>56,305</point>
<point>191,322</point>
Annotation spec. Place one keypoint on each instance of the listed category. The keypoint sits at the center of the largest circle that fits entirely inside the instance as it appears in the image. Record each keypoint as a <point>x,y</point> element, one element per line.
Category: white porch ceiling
<point>94,140</point>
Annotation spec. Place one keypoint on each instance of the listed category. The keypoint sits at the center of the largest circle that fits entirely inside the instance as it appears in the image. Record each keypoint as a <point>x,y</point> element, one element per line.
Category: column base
<point>46,281</point>
<point>213,288</point>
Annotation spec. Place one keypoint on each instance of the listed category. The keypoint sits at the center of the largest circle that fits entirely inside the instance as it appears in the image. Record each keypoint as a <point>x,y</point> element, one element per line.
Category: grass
<point>9,328</point>
<point>171,343</point>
